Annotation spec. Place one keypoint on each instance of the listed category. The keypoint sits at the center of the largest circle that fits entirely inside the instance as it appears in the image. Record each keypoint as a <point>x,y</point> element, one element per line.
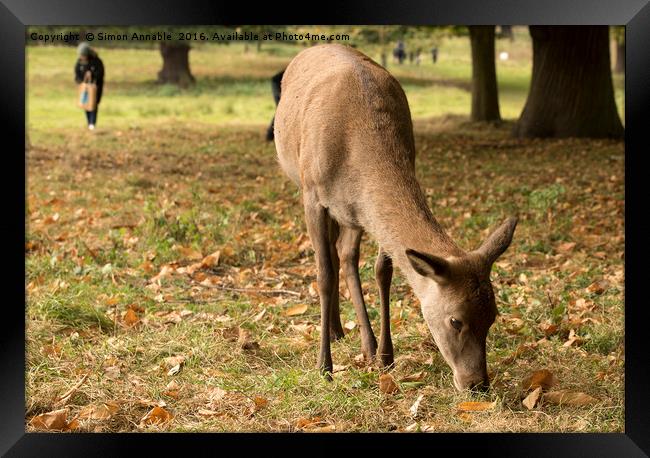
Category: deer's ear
<point>498,241</point>
<point>428,265</point>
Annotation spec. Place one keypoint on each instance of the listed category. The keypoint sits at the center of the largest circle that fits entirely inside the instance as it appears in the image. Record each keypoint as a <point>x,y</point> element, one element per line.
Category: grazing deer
<point>343,133</point>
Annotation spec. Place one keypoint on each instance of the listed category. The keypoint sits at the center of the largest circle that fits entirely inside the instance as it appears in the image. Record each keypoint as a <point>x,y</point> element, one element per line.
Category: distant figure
<point>506,32</point>
<point>417,56</point>
<point>399,53</point>
<point>275,86</point>
<point>90,68</point>
<point>434,54</point>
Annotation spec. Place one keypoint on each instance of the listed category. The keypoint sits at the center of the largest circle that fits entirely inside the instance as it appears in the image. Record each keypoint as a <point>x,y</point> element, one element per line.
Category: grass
<point>161,179</point>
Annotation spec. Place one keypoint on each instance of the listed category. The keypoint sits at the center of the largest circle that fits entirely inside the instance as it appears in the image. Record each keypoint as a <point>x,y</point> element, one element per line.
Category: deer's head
<point>458,304</point>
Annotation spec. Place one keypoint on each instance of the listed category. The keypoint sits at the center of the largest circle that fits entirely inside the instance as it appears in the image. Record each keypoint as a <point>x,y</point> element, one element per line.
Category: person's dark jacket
<point>96,67</point>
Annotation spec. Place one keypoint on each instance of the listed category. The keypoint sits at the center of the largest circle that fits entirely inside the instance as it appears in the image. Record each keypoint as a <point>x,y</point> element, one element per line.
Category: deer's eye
<point>457,324</point>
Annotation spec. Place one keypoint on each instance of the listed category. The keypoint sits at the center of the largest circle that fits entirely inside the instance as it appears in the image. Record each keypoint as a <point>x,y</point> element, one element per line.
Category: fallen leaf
<point>172,389</point>
<point>296,310</point>
<point>598,287</point>
<point>260,402</point>
<point>350,325</point>
<point>54,420</point>
<point>157,415</point>
<point>476,406</point>
<point>387,384</point>
<point>573,338</point>
<point>541,378</point>
<point>211,260</point>
<point>572,398</point>
<point>566,247</point>
<point>548,328</point>
<point>339,368</point>
<point>174,370</point>
<point>417,377</point>
<point>102,411</point>
<point>208,413</point>
<point>532,398</point>
<point>416,405</point>
<point>131,318</point>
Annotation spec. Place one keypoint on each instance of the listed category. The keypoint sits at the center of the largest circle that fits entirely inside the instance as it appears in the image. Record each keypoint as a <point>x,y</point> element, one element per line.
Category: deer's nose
<point>481,385</point>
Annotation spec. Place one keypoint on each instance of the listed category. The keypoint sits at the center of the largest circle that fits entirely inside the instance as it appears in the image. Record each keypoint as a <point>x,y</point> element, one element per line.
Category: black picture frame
<point>15,15</point>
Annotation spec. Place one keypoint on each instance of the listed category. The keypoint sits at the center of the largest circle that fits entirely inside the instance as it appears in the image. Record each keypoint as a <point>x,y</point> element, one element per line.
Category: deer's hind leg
<point>336,330</point>
<point>318,225</point>
<point>348,248</point>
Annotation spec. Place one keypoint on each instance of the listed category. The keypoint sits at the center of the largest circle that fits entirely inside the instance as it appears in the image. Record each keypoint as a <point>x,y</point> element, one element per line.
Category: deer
<point>344,135</point>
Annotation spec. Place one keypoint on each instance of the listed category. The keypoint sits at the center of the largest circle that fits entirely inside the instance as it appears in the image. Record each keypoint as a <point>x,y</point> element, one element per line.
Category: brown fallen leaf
<point>102,411</point>
<point>572,398</point>
<point>475,406</point>
<point>54,420</point>
<point>131,318</point>
<point>296,310</point>
<point>172,389</point>
<point>573,338</point>
<point>566,247</point>
<point>542,378</point>
<point>304,423</point>
<point>208,413</point>
<point>387,384</point>
<point>417,377</point>
<point>211,260</point>
<point>260,402</point>
<point>598,287</point>
<point>156,416</point>
<point>532,398</point>
<point>548,328</point>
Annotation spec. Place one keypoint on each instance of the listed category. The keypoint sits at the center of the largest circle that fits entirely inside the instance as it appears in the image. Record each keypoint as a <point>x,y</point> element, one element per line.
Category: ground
<point>169,275</point>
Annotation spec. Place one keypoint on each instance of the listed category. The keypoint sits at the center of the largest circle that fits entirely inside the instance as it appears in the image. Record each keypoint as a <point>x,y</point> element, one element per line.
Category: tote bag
<point>87,96</point>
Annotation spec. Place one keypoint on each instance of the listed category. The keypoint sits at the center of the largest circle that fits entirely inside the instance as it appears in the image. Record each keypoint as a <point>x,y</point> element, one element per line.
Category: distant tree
<point>485,95</point>
<point>571,92</point>
<point>176,64</point>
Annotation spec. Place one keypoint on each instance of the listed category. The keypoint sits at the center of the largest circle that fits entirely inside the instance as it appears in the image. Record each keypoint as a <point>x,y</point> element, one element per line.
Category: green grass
<point>107,210</point>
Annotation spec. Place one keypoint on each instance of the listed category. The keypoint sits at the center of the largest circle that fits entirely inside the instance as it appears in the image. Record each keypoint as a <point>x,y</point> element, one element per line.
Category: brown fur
<point>343,133</point>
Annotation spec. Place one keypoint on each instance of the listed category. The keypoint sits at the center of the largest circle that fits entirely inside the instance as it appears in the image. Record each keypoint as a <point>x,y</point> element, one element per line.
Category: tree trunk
<point>620,57</point>
<point>176,64</point>
<point>485,98</point>
<point>571,92</point>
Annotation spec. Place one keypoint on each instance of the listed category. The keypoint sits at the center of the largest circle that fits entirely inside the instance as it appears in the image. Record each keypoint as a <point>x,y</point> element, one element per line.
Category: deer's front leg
<point>348,247</point>
<point>384,275</point>
<point>317,222</point>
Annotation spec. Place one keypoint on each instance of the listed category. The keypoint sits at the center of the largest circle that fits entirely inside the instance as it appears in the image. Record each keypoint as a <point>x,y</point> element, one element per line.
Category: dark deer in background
<point>343,133</point>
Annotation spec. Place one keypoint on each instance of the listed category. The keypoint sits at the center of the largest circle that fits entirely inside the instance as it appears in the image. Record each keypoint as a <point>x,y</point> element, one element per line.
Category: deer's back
<point>342,128</point>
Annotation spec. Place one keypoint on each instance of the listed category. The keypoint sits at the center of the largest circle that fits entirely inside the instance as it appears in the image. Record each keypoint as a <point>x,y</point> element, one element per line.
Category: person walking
<point>90,69</point>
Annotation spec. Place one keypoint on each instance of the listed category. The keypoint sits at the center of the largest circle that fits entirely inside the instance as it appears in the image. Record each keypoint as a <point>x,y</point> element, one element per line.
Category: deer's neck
<point>402,220</point>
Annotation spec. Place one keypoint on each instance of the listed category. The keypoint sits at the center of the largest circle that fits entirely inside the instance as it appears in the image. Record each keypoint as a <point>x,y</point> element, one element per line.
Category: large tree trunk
<point>571,92</point>
<point>176,64</point>
<point>485,98</point>
<point>620,57</point>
